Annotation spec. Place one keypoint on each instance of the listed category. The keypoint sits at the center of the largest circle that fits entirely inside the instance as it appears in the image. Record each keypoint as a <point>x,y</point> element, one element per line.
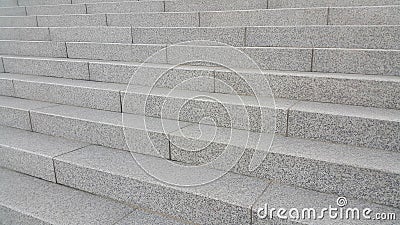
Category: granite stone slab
<point>91,34</point>
<point>356,37</point>
<point>240,112</point>
<point>28,200</point>
<point>138,217</point>
<point>6,86</point>
<point>56,9</point>
<point>268,58</point>
<point>288,197</point>
<point>209,5</point>
<point>8,3</point>
<point>154,19</point>
<point>379,62</point>
<point>129,132</point>
<point>353,125</point>
<point>280,17</point>
<point>120,52</point>
<point>66,68</point>
<point>15,112</point>
<point>126,7</point>
<point>12,11</point>
<point>32,153</point>
<point>157,75</point>
<point>365,15</point>
<point>234,36</point>
<point>349,89</point>
<point>95,95</point>
<point>72,20</point>
<point>356,172</point>
<point>43,2</point>
<point>33,48</point>
<point>24,34</point>
<point>272,4</point>
<point>116,175</point>
<point>18,21</point>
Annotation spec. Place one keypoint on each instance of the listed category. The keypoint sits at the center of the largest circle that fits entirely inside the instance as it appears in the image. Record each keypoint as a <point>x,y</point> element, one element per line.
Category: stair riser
<point>363,132</point>
<point>26,21</point>
<point>43,2</point>
<point>126,7</point>
<point>43,49</point>
<point>327,3</point>
<point>56,10</point>
<point>14,11</point>
<point>16,118</point>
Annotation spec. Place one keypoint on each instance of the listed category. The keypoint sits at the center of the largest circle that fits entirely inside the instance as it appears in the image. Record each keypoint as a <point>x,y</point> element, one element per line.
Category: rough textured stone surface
<point>43,2</point>
<point>209,5</point>
<point>268,58</point>
<point>56,9</point>
<point>24,34</point>
<point>72,20</point>
<point>67,68</point>
<point>36,48</point>
<point>121,52</point>
<point>111,129</point>
<point>349,89</point>
<point>381,62</point>
<point>8,3</point>
<point>157,75</point>
<point>140,217</point>
<point>15,112</point>
<point>105,96</point>
<point>12,11</point>
<point>370,37</point>
<point>18,21</point>
<point>327,3</point>
<point>126,7</point>
<point>353,125</point>
<point>6,86</point>
<point>92,34</point>
<point>365,15</point>
<point>310,164</point>
<point>154,20</point>
<point>32,153</point>
<point>163,35</point>
<point>1,65</point>
<point>27,200</point>
<point>283,17</point>
<point>115,173</point>
<point>306,199</point>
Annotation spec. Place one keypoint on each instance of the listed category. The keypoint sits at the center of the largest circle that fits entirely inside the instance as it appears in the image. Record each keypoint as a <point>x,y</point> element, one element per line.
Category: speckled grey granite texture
<point>15,112</point>
<point>190,19</point>
<point>27,200</point>
<point>42,2</point>
<point>32,153</point>
<point>283,17</point>
<point>18,21</point>
<point>120,52</point>
<point>72,20</point>
<point>327,3</point>
<point>365,15</point>
<point>56,9</point>
<point>126,7</point>
<point>353,125</point>
<point>37,48</point>
<point>66,68</point>
<point>91,34</point>
<point>12,11</point>
<point>24,34</point>
<point>115,174</point>
<point>210,5</point>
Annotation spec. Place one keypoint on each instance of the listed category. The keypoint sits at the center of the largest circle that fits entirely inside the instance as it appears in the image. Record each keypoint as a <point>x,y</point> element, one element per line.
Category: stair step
<point>365,15</point>
<point>349,89</point>
<point>15,112</point>
<point>12,11</point>
<point>43,2</point>
<point>277,196</point>
<point>326,167</point>
<point>75,20</point>
<point>328,3</point>
<point>27,200</point>
<point>360,37</point>
<point>18,21</point>
<point>126,7</point>
<point>32,153</point>
<point>96,95</point>
<point>8,3</point>
<point>329,60</point>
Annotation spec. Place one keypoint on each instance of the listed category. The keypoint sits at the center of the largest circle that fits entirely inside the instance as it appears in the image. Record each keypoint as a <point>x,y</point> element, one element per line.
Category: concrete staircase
<point>77,120</point>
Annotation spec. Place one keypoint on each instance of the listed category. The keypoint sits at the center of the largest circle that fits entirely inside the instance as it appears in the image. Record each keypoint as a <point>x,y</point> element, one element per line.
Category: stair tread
<point>361,157</point>
<point>22,104</point>
<point>28,198</point>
